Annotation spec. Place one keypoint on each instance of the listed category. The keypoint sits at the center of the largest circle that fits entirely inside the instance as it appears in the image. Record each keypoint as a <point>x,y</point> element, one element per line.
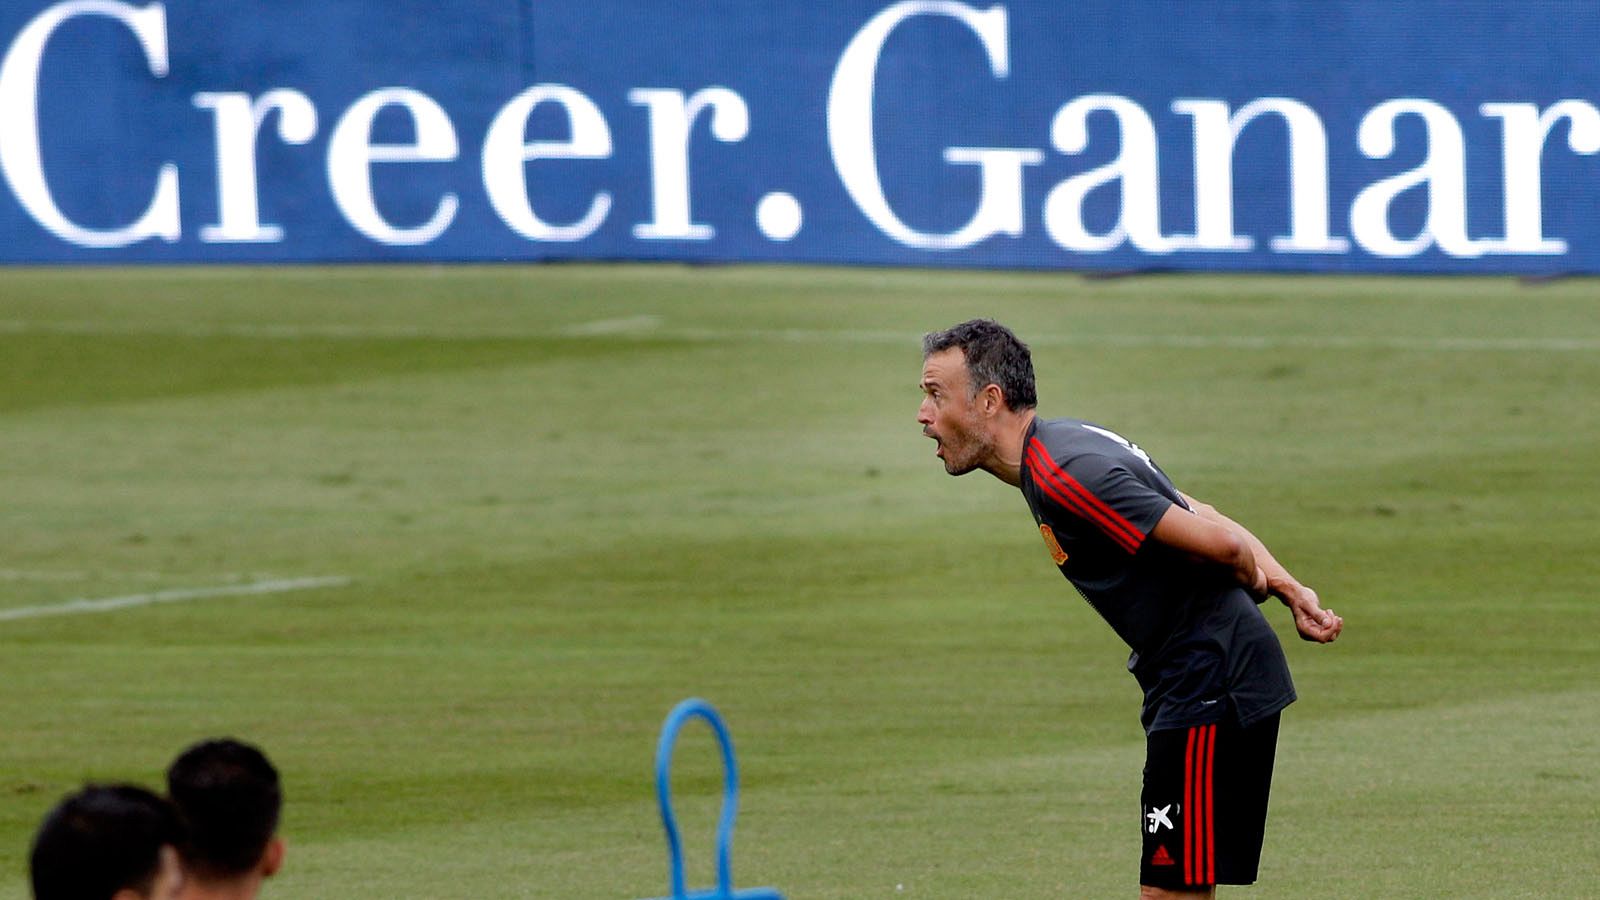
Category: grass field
<point>558,500</point>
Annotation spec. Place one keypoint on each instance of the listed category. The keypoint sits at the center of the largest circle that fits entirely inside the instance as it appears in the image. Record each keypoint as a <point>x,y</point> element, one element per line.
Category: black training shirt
<point>1201,646</point>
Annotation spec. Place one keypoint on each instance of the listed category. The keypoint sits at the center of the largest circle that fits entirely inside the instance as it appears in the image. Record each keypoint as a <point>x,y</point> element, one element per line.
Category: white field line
<point>85,575</point>
<point>649,327</point>
<point>178,595</point>
<point>629,325</point>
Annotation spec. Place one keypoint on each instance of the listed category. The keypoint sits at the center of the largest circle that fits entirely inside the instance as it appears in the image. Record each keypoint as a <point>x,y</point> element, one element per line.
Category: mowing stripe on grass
<point>649,327</point>
<point>177,595</point>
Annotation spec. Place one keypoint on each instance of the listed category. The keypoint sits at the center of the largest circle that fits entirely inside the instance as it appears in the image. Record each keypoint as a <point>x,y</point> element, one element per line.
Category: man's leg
<point>1176,858</point>
<point>1146,892</point>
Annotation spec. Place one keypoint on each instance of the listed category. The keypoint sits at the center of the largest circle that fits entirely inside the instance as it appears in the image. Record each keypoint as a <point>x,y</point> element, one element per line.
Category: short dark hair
<point>101,840</point>
<point>229,797</point>
<point>994,356</point>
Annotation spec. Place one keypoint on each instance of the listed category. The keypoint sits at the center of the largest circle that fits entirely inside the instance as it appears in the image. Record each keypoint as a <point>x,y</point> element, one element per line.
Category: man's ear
<point>272,858</point>
<point>994,399</point>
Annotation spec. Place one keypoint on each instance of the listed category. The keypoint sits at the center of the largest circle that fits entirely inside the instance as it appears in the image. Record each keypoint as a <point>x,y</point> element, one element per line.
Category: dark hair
<point>101,840</point>
<point>994,356</point>
<point>228,795</point>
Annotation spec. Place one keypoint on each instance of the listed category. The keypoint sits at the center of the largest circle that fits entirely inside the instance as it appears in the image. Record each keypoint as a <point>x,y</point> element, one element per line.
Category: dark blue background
<point>108,124</point>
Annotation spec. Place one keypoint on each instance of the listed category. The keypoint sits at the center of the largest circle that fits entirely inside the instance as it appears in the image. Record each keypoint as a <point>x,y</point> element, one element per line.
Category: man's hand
<point>1312,621</point>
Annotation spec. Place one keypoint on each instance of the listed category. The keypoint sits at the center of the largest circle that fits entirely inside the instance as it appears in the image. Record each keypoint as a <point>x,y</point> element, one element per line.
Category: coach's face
<point>951,414</point>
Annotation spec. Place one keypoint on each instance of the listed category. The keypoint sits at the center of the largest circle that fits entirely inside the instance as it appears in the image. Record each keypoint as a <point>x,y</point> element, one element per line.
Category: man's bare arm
<point>1212,542</point>
<point>1312,621</point>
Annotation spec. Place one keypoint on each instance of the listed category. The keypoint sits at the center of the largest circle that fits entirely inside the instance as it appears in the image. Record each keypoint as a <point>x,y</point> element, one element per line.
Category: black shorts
<point>1205,803</point>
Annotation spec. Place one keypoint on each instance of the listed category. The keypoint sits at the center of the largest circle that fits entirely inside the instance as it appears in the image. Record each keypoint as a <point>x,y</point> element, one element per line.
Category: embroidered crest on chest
<point>1056,553</point>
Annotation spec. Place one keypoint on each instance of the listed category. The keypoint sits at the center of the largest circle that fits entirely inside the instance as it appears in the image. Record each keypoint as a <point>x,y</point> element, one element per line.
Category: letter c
<point>20,160</point>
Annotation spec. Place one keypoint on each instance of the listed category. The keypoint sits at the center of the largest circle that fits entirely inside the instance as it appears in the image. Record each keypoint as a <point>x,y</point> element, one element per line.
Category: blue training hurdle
<point>681,714</point>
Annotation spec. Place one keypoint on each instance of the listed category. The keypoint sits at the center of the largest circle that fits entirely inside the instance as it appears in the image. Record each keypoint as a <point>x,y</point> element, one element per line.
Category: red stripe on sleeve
<point>1067,501</point>
<point>1112,516</point>
<point>1071,503</point>
<point>1059,485</point>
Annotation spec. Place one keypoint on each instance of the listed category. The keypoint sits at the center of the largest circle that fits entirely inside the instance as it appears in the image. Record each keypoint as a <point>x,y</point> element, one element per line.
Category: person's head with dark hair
<point>229,797</point>
<point>108,843</point>
<point>993,355</point>
<point>978,397</point>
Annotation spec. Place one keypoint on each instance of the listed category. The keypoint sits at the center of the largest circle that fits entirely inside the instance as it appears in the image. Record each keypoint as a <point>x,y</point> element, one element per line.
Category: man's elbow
<point>1234,551</point>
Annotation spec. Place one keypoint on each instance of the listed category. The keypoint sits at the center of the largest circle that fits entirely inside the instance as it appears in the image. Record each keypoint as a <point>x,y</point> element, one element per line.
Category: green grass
<point>568,497</point>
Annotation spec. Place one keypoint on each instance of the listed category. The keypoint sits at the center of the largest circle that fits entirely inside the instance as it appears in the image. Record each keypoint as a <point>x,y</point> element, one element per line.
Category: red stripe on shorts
<point>1199,819</point>
<point>1211,819</point>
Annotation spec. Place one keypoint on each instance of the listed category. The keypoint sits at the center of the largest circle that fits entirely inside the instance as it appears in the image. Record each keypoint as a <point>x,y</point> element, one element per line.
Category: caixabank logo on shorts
<point>1276,135</point>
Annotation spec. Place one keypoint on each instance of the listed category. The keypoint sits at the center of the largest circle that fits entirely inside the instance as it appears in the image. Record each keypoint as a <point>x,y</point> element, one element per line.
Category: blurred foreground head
<point>108,843</point>
<point>228,796</point>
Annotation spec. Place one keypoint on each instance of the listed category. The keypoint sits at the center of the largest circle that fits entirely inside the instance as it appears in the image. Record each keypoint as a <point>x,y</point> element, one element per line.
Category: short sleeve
<point>1103,492</point>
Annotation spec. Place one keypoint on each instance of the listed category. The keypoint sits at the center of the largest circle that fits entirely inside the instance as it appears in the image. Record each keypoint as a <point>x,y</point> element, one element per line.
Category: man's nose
<point>925,413</point>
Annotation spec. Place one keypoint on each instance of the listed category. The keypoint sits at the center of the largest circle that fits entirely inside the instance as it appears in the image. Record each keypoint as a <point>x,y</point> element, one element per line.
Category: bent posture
<point>1178,581</point>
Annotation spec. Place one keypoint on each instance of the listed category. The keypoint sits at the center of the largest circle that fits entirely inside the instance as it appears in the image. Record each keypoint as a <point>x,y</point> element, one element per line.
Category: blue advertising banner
<point>1362,135</point>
